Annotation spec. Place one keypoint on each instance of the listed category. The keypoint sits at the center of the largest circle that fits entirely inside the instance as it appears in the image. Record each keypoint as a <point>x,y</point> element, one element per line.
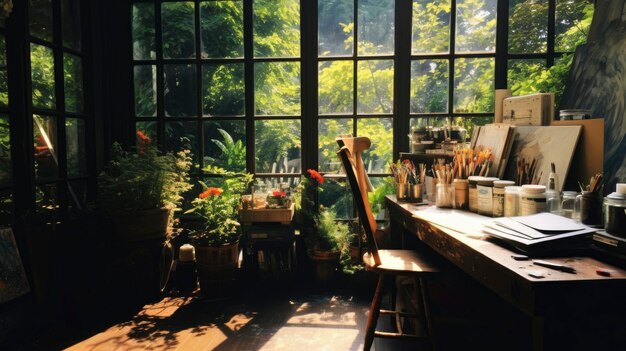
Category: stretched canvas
<point>13,282</point>
<point>546,144</point>
<point>597,81</point>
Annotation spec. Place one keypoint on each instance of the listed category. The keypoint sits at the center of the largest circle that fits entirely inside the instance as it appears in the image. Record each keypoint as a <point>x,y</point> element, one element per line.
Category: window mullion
<point>402,75</point>
<point>248,52</point>
<point>159,75</point>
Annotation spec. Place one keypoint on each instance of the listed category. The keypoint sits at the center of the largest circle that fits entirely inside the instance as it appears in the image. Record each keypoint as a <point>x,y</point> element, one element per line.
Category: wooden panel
<point>589,153</point>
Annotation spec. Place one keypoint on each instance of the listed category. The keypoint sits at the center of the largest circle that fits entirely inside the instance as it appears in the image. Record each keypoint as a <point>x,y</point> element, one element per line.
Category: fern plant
<point>233,153</point>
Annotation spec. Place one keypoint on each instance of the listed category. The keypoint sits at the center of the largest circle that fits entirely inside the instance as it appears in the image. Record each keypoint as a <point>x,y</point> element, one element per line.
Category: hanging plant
<point>6,6</point>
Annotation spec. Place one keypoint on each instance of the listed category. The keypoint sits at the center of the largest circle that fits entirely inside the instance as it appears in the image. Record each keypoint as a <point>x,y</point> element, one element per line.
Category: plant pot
<point>141,225</point>
<point>217,267</point>
<point>325,264</point>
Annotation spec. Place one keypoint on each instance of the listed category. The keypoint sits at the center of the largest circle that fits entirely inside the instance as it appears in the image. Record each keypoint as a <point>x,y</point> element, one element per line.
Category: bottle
<point>485,196</point>
<point>512,200</point>
<point>186,276</point>
<point>568,205</point>
<point>498,196</point>
<point>553,196</point>
<point>533,199</point>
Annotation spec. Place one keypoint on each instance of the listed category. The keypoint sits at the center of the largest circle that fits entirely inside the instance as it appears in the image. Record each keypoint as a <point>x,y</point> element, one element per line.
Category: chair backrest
<point>361,201</point>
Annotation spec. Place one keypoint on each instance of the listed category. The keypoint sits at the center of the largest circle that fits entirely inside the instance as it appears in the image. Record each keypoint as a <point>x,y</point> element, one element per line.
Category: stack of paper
<point>541,233</point>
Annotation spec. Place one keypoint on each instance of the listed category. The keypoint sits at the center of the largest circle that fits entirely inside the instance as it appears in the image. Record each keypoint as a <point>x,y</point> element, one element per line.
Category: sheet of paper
<point>549,222</point>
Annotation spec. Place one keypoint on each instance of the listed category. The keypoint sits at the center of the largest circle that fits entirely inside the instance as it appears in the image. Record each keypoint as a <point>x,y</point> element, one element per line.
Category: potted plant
<point>217,239</point>
<point>140,189</point>
<point>326,244</point>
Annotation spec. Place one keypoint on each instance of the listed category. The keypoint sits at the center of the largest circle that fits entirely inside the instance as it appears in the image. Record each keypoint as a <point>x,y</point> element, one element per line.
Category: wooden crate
<point>280,215</point>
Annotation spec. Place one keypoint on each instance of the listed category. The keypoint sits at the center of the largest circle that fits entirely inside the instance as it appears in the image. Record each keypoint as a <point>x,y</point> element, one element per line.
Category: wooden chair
<point>389,264</point>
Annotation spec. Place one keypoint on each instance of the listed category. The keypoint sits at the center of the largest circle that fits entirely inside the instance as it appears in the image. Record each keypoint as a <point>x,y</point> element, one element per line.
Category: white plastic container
<point>498,196</point>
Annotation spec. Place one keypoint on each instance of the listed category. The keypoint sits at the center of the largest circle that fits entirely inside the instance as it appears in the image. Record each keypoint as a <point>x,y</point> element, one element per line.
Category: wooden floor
<point>301,322</point>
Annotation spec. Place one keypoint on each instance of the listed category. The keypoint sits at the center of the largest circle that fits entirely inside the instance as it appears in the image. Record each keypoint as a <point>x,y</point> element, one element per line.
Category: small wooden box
<point>279,215</point>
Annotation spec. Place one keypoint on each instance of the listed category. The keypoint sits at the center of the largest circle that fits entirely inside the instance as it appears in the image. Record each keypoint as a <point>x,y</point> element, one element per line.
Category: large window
<point>57,105</point>
<point>266,86</point>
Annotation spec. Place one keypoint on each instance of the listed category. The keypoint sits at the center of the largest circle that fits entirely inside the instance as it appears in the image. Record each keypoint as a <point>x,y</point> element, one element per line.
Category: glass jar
<point>588,204</point>
<point>485,196</point>
<point>461,193</point>
<point>473,192</point>
<point>533,199</point>
<point>615,212</point>
<point>498,196</point>
<point>445,195</point>
<point>512,200</point>
<point>553,201</point>
<point>568,205</point>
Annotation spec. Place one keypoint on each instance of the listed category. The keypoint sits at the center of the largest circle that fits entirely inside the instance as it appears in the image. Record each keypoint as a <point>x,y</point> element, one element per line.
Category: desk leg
<point>537,330</point>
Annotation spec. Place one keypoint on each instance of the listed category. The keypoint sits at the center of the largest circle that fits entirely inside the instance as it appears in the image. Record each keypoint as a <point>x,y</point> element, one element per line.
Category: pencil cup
<point>415,192</point>
<point>445,195</point>
<point>402,191</point>
<point>461,194</point>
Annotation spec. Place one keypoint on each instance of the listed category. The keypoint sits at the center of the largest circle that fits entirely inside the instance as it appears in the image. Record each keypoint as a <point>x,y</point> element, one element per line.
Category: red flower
<point>210,192</point>
<point>279,193</point>
<point>313,174</point>
<point>143,141</point>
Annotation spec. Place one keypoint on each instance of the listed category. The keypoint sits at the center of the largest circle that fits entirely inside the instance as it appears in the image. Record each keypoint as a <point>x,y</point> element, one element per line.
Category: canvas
<point>597,81</point>
<point>13,282</point>
<point>546,144</point>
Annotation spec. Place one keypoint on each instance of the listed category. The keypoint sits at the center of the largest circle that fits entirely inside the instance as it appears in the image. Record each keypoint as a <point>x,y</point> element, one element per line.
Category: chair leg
<point>426,307</point>
<point>392,298</point>
<point>372,318</point>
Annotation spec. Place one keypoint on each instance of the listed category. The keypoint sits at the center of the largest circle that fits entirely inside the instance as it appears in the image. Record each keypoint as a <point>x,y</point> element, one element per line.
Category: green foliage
<point>330,234</point>
<point>217,207</point>
<point>143,179</point>
<point>377,197</point>
<point>233,153</point>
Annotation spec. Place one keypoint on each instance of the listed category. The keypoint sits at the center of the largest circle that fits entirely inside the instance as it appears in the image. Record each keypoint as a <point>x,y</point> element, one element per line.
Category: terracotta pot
<point>141,225</point>
<point>325,264</point>
<point>217,267</point>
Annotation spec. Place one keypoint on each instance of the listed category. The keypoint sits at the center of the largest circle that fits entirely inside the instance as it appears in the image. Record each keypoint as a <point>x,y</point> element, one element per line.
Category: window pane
<point>145,91</point>
<point>377,158</point>
<point>382,186</point>
<point>77,190</point>
<point>375,86</point>
<point>223,90</point>
<point>329,130</point>
<point>42,76</point>
<point>180,90</point>
<point>429,86</point>
<point>182,136</point>
<point>470,122</point>
<point>419,122</point>
<point>335,27</point>
<point>179,27</point>
<point>6,171</point>
<point>46,203</point>
<point>73,83</point>
<point>40,21</point>
<point>521,73</point>
<point>143,31</point>
<point>71,24</point>
<point>473,84</point>
<point>6,208</point>
<point>222,29</point>
<point>573,18</point>
<point>225,145</point>
<point>277,146</point>
<point>337,196</point>
<point>528,26</point>
<point>476,26</point>
<point>376,27</point>
<point>336,87</point>
<point>4,85</point>
<point>431,26</point>
<point>147,130</point>
<point>45,144</point>
<point>277,88</point>
<point>276,25</point>
<point>262,185</point>
<point>75,144</point>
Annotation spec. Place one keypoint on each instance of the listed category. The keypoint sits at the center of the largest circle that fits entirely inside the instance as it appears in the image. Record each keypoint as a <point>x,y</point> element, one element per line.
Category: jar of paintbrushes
<point>400,177</point>
<point>588,203</point>
<point>467,163</point>
<point>445,191</point>
<point>416,180</point>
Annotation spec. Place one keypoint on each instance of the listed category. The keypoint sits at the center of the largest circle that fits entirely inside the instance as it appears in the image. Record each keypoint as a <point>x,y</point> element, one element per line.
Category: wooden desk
<point>544,300</point>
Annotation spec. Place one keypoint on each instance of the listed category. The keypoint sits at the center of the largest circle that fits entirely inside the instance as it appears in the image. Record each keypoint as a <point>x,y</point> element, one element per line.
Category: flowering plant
<point>143,178</point>
<point>306,193</point>
<point>6,6</point>
<point>217,208</point>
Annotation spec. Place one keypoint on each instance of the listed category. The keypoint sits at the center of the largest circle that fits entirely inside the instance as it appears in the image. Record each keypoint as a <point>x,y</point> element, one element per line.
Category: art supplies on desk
<point>541,233</point>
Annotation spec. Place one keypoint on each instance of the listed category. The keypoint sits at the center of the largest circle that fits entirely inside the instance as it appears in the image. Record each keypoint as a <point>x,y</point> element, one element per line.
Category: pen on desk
<point>557,266</point>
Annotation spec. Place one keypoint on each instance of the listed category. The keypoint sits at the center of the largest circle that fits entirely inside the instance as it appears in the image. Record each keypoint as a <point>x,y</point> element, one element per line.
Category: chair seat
<point>400,262</point>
